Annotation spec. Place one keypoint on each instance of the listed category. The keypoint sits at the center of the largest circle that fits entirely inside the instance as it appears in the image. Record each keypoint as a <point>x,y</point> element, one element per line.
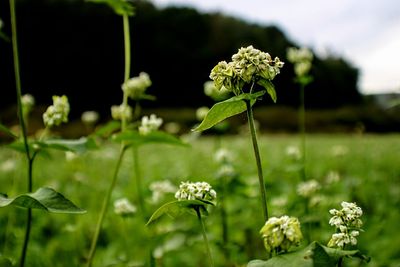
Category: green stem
<point>302,126</point>
<point>224,221</point>
<point>22,125</point>
<point>138,180</point>
<point>203,231</point>
<point>104,207</point>
<point>252,127</point>
<point>127,46</point>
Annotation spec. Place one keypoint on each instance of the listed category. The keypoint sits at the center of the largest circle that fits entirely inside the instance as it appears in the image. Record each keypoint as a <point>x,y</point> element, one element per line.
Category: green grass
<point>369,175</point>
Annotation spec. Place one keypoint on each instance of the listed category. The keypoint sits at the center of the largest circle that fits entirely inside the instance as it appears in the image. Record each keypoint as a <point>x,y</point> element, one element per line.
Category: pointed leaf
<point>44,198</point>
<point>268,85</point>
<point>136,139</point>
<point>108,129</point>
<point>7,131</point>
<point>75,145</point>
<point>120,7</point>
<point>314,255</point>
<point>179,207</point>
<point>228,108</point>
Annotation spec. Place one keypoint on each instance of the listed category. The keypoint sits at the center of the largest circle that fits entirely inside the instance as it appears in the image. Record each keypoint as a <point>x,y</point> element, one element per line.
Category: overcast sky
<point>365,32</point>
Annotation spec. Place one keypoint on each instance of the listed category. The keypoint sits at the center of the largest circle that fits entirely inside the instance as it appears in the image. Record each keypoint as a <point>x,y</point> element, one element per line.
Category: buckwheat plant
<point>248,76</point>
<point>190,196</point>
<point>150,124</point>
<point>124,207</point>
<point>348,225</point>
<point>302,61</point>
<point>280,234</point>
<point>44,198</point>
<point>122,112</point>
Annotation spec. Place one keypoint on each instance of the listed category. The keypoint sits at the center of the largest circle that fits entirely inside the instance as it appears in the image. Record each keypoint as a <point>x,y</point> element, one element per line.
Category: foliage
<point>45,199</point>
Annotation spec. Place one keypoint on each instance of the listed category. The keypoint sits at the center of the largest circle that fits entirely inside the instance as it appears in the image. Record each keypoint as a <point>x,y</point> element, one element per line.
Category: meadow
<point>355,168</point>
<point>133,192</point>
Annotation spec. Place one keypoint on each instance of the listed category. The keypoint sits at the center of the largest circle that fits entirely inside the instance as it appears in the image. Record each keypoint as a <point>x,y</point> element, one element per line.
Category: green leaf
<point>135,139</point>
<point>44,198</point>
<point>76,145</point>
<point>314,255</point>
<point>19,146</point>
<point>7,131</point>
<point>268,85</point>
<point>120,7</point>
<point>179,207</point>
<point>228,108</point>
<point>108,129</point>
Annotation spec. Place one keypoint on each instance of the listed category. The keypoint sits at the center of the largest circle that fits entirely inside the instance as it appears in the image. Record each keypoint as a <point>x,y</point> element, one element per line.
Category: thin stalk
<point>127,53</point>
<point>105,206</point>
<point>203,231</point>
<point>22,125</point>
<point>302,128</point>
<point>138,180</point>
<point>250,118</point>
<point>224,222</point>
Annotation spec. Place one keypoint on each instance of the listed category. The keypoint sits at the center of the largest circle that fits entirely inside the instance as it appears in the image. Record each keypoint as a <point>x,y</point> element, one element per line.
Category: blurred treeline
<point>75,47</point>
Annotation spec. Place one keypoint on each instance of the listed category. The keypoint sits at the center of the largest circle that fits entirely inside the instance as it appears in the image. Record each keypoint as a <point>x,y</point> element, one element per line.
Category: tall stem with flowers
<point>249,76</point>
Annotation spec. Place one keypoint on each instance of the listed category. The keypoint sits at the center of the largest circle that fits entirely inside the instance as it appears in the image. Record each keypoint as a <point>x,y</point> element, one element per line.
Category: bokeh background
<point>75,48</point>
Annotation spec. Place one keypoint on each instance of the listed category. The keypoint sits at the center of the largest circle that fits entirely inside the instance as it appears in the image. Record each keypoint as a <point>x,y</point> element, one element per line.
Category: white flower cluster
<point>58,112</point>
<point>27,101</point>
<point>121,112</point>
<point>201,113</point>
<point>301,58</point>
<point>348,223</point>
<point>293,152</point>
<point>339,151</point>
<point>124,207</point>
<point>195,191</point>
<point>160,188</point>
<point>225,157</point>
<point>247,66</point>
<point>281,233</point>
<point>149,124</point>
<point>90,117</point>
<point>136,86</point>
<point>308,188</point>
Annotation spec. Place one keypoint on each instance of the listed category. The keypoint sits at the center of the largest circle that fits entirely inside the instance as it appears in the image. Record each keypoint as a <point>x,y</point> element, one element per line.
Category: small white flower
<point>201,113</point>
<point>121,112</point>
<point>70,156</point>
<point>339,150</point>
<point>293,152</point>
<point>224,156</point>
<point>160,188</point>
<point>57,113</point>
<point>308,188</point>
<point>27,101</point>
<point>149,124</point>
<point>124,207</point>
<point>136,86</point>
<point>281,233</point>
<point>332,177</point>
<point>226,170</point>
<point>348,218</point>
<point>193,191</point>
<point>8,165</point>
<point>90,117</point>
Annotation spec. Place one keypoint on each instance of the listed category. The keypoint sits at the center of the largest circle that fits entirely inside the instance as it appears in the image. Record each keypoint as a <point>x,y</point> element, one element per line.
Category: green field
<point>369,174</point>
